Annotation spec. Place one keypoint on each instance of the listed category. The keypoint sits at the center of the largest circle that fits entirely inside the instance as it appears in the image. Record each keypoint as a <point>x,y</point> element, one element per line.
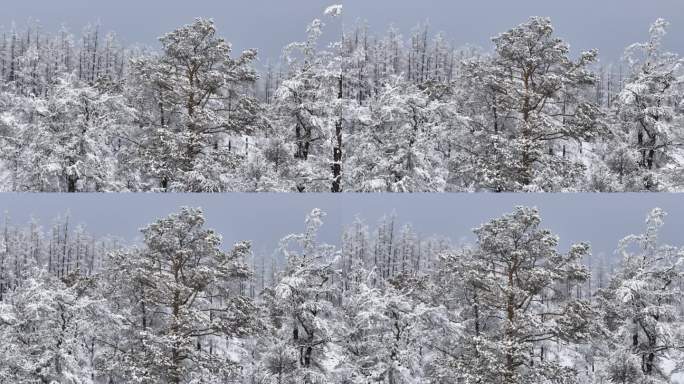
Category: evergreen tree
<point>199,94</point>
<point>511,283</point>
<point>177,302</point>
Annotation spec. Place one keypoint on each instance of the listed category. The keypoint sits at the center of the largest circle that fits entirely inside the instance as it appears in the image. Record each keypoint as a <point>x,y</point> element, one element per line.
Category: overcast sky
<point>600,219</point>
<point>608,25</point>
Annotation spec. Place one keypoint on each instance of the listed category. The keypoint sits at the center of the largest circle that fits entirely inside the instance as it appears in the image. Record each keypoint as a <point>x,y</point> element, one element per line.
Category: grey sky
<point>608,25</point>
<point>600,219</point>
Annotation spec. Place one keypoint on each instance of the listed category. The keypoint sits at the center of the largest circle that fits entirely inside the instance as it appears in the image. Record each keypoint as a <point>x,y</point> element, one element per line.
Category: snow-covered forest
<point>383,306</point>
<point>399,112</point>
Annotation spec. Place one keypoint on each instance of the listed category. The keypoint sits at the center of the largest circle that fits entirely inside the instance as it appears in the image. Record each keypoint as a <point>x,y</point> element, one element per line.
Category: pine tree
<point>178,303</point>
<point>508,281</point>
<point>536,100</point>
<point>200,99</point>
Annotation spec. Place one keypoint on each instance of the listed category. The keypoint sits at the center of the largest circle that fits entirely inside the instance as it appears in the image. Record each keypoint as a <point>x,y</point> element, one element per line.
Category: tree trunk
<point>640,145</point>
<point>71,184</point>
<point>526,177</point>
<point>337,150</point>
<point>510,316</point>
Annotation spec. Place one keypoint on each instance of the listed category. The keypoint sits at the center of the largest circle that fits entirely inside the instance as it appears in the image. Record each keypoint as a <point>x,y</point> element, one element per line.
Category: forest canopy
<point>385,306</point>
<point>365,113</point>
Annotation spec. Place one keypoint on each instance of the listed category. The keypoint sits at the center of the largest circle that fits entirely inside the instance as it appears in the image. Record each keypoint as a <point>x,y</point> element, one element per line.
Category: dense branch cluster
<point>364,113</point>
<point>384,307</point>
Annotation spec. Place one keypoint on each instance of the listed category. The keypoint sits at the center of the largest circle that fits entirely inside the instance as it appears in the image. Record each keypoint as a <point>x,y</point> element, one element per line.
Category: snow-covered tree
<point>533,91</point>
<point>379,334</point>
<point>178,305</point>
<point>44,324</point>
<point>640,307</point>
<point>198,94</point>
<point>649,105</point>
<point>510,285</point>
<point>394,152</point>
<point>68,139</point>
<point>302,308</point>
<point>308,107</point>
